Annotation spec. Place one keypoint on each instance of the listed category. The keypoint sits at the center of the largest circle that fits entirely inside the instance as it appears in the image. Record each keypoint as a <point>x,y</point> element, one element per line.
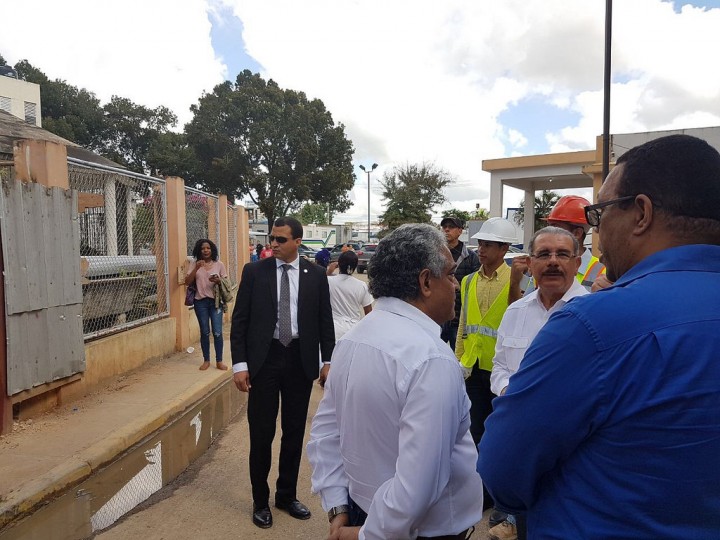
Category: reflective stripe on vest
<point>477,329</point>
<point>594,269</point>
<point>480,336</point>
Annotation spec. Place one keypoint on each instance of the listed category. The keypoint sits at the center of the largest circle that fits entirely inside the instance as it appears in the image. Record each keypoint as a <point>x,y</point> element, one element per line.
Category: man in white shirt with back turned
<point>390,446</point>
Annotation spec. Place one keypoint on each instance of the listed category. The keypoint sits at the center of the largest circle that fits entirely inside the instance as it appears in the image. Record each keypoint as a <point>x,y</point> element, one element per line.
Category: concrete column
<point>529,217</point>
<point>177,258</point>
<point>130,212</point>
<point>223,238</point>
<point>111,239</point>
<point>43,162</point>
<point>212,220</point>
<point>496,195</point>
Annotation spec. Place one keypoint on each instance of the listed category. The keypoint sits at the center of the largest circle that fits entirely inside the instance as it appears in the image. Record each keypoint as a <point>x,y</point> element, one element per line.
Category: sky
<point>450,83</point>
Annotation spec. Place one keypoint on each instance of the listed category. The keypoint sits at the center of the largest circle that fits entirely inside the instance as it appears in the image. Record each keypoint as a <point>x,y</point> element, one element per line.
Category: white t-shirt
<point>348,297</point>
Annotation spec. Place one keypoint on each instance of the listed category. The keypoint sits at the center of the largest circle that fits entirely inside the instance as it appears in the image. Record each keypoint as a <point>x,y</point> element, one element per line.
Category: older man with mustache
<point>554,261</point>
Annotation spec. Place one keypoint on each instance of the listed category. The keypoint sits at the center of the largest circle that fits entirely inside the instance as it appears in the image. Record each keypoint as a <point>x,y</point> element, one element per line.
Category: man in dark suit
<point>281,315</point>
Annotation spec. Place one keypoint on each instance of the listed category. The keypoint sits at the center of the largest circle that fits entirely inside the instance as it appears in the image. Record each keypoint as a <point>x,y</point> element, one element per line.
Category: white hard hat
<point>497,230</point>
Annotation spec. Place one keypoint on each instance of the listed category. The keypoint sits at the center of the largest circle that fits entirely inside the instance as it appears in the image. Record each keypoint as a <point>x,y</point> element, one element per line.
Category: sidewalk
<point>43,457</point>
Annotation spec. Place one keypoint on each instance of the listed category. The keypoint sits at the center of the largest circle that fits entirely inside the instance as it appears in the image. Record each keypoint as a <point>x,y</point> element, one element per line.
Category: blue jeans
<point>206,314</point>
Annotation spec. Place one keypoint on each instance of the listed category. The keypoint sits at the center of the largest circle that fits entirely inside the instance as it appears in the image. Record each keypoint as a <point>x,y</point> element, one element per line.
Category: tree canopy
<point>131,130</point>
<point>477,214</point>
<point>120,130</point>
<point>543,204</point>
<point>250,137</point>
<point>314,213</point>
<point>276,146</point>
<point>411,192</point>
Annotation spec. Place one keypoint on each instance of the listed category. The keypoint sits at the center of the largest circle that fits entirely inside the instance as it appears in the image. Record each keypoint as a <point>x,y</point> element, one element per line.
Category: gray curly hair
<point>400,257</point>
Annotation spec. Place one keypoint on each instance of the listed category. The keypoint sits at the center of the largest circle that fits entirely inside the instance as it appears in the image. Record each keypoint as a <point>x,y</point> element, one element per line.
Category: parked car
<point>368,250</point>
<point>336,251</point>
<point>307,252</point>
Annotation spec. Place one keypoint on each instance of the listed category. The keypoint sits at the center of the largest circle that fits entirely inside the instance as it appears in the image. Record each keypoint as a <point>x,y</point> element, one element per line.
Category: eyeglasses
<point>278,239</point>
<point>594,212</point>
<point>562,256</point>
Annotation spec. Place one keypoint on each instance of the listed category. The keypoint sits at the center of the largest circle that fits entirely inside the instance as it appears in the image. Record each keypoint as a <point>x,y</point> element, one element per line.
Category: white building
<point>20,98</point>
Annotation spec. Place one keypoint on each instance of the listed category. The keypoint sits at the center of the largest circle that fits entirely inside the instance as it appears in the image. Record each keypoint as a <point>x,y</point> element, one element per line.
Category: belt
<point>459,536</point>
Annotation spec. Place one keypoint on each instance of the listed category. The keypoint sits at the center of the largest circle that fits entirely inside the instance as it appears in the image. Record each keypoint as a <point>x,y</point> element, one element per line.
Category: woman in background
<point>206,271</point>
<point>349,297</point>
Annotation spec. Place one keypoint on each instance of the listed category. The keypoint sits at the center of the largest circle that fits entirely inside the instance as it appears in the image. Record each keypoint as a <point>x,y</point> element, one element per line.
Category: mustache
<point>553,273</point>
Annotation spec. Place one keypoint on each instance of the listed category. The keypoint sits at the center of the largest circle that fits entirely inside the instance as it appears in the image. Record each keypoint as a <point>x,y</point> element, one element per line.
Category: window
<point>30,116</point>
<point>5,103</point>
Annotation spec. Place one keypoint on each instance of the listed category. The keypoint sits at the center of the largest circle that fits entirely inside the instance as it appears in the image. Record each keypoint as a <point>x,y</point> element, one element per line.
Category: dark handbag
<point>190,294</point>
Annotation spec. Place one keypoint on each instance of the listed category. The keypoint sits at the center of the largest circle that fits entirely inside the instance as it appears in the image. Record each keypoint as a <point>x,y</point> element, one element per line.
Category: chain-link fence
<point>234,243</point>
<point>202,218</point>
<point>123,243</point>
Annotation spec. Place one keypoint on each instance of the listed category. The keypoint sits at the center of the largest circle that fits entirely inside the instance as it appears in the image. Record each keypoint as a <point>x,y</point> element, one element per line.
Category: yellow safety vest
<point>593,270</point>
<point>480,332</point>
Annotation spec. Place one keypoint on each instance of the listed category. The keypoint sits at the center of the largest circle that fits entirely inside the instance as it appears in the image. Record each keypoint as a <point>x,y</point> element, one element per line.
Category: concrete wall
<point>106,358</point>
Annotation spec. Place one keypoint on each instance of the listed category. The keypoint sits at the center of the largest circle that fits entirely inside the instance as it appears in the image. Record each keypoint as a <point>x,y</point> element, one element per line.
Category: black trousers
<point>279,385</point>
<point>481,397</point>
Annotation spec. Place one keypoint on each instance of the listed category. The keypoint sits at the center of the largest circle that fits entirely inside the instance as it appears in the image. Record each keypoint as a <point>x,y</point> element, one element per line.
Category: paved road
<point>212,499</point>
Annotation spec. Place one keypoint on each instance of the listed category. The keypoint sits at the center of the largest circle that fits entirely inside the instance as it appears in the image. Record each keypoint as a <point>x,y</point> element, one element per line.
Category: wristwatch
<point>337,510</point>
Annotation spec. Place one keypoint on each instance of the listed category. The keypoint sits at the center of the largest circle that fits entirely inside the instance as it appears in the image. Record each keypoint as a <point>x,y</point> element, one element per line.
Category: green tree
<point>478,214</point>
<point>543,204</point>
<point>454,212</point>
<point>131,130</point>
<point>412,191</point>
<point>70,112</point>
<point>254,138</point>
<point>171,155</point>
<point>314,213</point>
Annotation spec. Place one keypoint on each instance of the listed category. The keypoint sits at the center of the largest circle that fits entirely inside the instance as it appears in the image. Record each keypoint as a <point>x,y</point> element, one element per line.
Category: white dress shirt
<point>392,429</point>
<point>522,321</point>
<point>294,279</point>
<point>348,297</point>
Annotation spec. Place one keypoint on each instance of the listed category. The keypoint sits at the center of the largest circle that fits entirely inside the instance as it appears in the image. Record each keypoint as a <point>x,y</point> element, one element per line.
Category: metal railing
<point>123,242</point>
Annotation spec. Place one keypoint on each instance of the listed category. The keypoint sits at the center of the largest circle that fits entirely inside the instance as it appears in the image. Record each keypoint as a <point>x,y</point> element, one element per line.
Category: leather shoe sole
<point>295,508</point>
<point>262,517</point>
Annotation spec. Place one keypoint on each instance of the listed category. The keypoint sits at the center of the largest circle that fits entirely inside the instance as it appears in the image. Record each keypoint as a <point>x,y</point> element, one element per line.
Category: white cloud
<point>154,53</point>
<point>412,80</point>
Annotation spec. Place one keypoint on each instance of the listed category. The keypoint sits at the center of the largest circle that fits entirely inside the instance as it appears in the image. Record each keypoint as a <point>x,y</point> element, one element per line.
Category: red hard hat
<point>570,208</point>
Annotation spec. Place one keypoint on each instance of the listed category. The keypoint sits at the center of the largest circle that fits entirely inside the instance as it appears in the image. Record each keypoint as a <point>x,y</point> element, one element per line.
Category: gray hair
<point>556,231</point>
<point>400,257</point>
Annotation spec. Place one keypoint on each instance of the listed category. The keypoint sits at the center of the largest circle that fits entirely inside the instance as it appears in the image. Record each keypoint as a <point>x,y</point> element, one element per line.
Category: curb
<point>85,463</point>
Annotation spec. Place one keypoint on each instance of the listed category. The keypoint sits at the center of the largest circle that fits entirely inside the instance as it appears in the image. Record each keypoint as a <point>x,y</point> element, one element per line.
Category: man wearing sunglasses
<point>610,428</point>
<point>281,316</point>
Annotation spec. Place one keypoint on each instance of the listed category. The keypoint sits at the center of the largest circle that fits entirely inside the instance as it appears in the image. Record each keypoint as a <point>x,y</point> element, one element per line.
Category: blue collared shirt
<point>611,427</point>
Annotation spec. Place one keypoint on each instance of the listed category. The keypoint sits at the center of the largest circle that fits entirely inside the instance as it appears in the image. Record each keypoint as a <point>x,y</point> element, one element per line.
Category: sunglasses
<point>594,212</point>
<point>278,239</point>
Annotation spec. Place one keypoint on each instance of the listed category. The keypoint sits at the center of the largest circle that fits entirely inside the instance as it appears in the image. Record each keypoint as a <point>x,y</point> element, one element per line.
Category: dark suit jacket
<point>255,316</point>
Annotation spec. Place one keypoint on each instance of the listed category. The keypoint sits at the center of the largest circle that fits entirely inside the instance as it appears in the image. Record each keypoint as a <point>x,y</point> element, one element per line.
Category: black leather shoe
<point>295,508</point>
<point>262,517</point>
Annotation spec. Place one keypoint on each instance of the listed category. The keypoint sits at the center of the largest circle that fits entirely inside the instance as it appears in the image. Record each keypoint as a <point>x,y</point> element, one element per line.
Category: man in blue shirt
<point>611,427</point>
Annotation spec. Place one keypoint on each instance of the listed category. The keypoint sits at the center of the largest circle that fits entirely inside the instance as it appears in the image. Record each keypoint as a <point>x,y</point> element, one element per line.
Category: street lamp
<point>374,166</point>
